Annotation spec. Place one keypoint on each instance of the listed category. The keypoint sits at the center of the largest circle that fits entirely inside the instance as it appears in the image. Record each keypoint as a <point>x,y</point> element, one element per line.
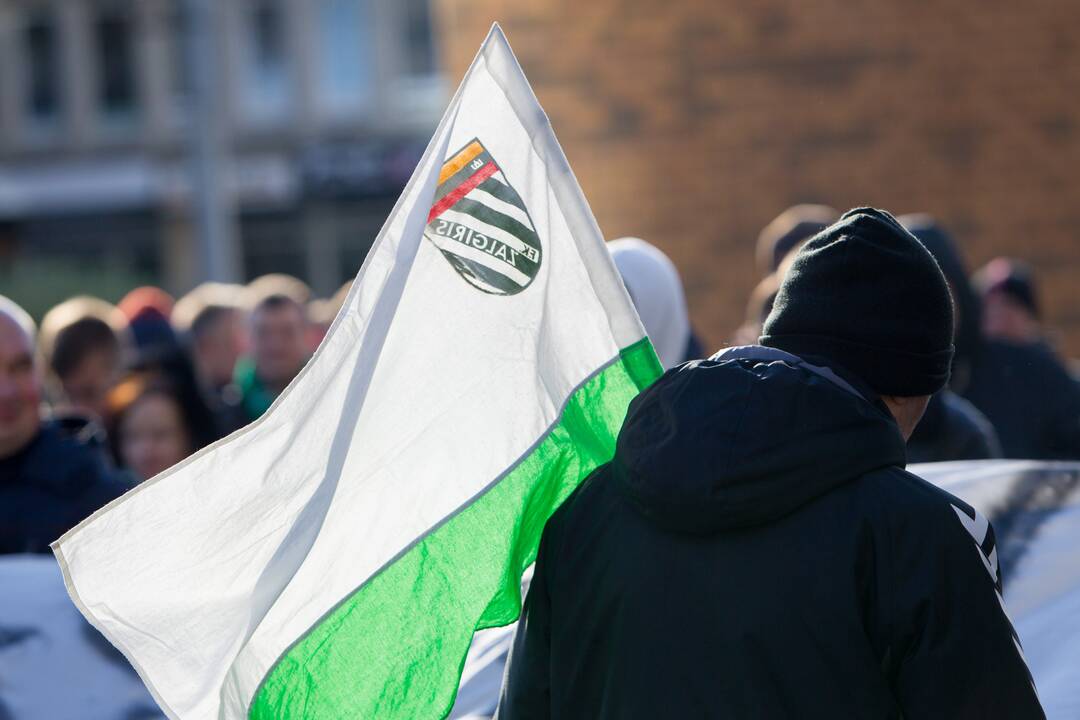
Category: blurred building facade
<point>325,107</point>
<point>693,123</point>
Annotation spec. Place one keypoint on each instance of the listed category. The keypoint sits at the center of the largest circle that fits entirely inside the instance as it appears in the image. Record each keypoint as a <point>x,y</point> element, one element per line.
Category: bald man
<point>51,474</point>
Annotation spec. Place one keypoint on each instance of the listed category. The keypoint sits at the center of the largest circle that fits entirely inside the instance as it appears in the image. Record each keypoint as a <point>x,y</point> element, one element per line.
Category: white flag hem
<point>92,619</point>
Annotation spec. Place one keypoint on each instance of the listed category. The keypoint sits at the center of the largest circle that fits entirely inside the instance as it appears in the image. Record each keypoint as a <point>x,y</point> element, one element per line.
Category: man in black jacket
<point>52,474</point>
<point>756,548</point>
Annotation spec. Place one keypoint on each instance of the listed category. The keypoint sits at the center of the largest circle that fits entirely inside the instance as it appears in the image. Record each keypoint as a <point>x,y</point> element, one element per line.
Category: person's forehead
<point>150,413</point>
<point>13,338</point>
<point>278,313</point>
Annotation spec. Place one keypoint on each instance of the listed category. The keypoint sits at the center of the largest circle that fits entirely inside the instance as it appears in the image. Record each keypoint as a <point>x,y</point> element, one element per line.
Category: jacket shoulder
<point>69,464</point>
<point>907,491</point>
<point>919,511</point>
<point>930,530</point>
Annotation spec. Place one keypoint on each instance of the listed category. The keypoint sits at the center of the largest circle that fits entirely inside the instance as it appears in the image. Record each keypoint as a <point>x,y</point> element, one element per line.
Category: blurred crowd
<point>101,397</point>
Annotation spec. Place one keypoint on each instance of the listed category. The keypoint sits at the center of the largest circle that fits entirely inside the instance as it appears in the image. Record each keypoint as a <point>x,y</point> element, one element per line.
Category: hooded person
<point>952,428</point>
<point>654,285</point>
<point>1022,388</point>
<point>756,549</point>
<point>967,335</point>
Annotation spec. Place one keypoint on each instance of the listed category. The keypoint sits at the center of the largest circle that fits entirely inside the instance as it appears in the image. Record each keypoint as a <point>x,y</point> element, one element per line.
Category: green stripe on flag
<point>395,647</point>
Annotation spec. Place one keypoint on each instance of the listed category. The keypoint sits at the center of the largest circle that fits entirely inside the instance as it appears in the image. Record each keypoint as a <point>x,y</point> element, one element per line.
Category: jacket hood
<point>656,289</point>
<point>746,437</point>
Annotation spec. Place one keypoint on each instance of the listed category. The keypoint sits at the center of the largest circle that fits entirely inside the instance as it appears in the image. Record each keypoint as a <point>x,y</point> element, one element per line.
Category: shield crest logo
<point>481,226</point>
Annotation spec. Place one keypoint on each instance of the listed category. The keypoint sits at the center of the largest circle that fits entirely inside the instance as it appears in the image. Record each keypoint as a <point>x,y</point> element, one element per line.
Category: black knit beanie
<point>866,295</point>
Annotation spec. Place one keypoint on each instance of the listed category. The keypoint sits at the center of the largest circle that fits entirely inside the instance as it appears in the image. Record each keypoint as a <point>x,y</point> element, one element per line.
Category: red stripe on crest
<point>462,190</point>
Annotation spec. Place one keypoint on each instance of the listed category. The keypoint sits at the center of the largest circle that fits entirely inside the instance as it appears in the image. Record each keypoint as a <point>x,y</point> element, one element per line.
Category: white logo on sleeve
<point>978,528</point>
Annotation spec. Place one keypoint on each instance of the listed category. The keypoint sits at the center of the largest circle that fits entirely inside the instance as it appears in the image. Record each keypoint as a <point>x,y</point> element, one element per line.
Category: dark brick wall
<point>692,123</point>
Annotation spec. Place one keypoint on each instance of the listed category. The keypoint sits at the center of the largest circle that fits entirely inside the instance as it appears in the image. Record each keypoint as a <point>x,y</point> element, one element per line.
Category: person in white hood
<point>657,291</point>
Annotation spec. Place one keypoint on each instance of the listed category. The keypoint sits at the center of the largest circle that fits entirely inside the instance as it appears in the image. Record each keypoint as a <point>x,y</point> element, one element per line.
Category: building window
<point>265,63</point>
<point>419,43</point>
<point>417,90</point>
<point>346,81</point>
<point>116,67</point>
<point>42,71</point>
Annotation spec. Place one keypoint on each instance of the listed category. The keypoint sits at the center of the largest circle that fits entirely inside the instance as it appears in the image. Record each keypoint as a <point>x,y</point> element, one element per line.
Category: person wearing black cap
<point>756,549</point>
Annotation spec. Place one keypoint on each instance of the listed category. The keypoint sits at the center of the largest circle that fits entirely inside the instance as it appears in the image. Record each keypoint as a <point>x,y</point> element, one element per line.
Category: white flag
<point>333,558</point>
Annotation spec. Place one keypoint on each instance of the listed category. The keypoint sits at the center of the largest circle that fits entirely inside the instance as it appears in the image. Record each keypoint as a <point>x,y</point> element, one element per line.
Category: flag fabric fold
<point>334,558</point>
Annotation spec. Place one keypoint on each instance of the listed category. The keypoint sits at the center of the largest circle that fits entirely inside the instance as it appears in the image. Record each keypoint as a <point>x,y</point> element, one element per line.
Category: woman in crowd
<point>153,424</point>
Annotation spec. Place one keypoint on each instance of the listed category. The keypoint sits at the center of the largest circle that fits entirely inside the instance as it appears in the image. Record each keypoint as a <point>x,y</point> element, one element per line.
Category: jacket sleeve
<point>526,690</point>
<point>958,655</point>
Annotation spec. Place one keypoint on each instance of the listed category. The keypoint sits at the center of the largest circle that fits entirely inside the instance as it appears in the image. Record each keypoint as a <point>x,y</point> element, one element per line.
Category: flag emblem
<point>480,224</point>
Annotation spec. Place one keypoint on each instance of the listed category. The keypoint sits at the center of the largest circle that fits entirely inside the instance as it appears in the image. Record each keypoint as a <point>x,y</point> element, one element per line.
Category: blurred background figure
<point>146,297</point>
<point>952,428</point>
<point>1022,384</point>
<point>1024,391</point>
<point>777,244</point>
<point>1009,302</point>
<point>153,424</point>
<point>213,327</point>
<point>654,286</point>
<point>788,231</point>
<point>83,344</point>
<point>146,311</point>
<point>758,308</point>
<point>279,341</point>
<point>52,474</point>
<point>264,286</point>
<point>20,386</point>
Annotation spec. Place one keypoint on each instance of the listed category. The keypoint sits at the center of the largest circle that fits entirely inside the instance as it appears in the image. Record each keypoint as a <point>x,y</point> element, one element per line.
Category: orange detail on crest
<point>460,160</point>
